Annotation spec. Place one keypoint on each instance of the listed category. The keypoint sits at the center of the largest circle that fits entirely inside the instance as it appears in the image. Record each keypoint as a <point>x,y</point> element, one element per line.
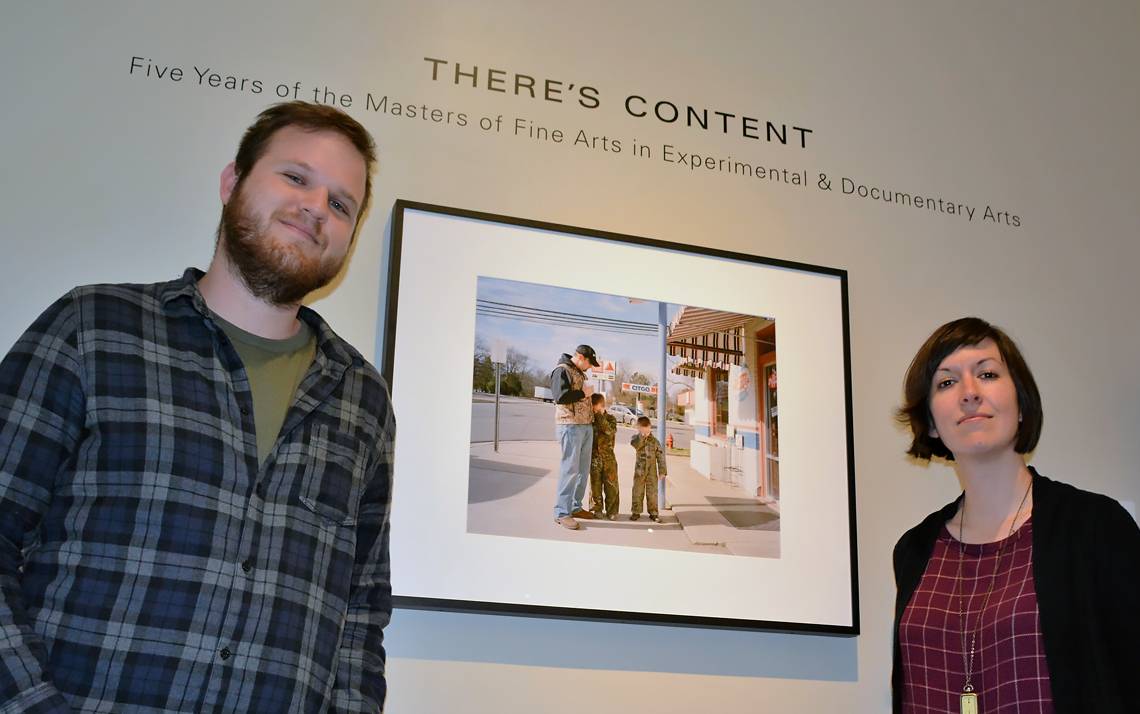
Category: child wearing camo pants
<point>603,463</point>
<point>649,468</point>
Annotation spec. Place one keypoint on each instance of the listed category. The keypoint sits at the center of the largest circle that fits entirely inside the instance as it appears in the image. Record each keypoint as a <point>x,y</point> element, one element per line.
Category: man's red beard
<point>273,270</point>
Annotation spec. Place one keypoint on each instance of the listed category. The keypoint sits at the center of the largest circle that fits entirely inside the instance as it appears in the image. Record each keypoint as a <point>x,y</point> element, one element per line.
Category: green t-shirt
<point>275,369</point>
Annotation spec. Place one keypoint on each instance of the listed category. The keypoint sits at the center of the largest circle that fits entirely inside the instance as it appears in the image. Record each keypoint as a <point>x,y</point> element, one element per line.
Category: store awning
<point>698,321</point>
<point>706,338</point>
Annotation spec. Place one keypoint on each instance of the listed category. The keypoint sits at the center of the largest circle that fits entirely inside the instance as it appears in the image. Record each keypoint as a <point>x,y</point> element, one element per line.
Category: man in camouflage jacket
<point>573,420</point>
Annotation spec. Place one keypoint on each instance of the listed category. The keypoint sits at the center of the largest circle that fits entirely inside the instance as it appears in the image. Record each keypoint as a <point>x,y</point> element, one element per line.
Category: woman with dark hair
<point>1022,595</point>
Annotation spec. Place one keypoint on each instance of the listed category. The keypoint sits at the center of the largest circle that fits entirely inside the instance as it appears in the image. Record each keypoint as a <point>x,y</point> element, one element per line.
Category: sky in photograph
<point>544,343</point>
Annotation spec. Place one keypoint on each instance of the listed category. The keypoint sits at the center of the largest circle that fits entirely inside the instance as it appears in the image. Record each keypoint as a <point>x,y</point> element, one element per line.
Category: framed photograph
<point>688,408</point>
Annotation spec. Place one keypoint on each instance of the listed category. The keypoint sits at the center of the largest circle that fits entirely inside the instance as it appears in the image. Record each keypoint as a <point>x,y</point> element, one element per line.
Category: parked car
<point>544,394</point>
<point>622,413</point>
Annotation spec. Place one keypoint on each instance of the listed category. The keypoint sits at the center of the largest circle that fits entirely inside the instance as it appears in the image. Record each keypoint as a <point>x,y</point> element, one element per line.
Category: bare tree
<point>483,377</point>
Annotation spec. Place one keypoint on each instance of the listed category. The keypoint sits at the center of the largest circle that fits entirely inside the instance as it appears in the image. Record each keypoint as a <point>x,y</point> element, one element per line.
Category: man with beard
<point>195,475</point>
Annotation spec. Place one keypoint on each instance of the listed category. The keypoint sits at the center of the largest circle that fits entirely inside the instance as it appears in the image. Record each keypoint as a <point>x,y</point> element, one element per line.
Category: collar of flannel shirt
<point>184,291</point>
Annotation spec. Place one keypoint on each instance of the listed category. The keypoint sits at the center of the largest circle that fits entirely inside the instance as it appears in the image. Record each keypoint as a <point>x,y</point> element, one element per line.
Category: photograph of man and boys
<point>571,440</point>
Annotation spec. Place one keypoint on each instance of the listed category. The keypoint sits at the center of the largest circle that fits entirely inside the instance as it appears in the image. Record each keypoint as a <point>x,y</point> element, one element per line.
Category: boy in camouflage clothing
<point>650,467</point>
<point>603,463</point>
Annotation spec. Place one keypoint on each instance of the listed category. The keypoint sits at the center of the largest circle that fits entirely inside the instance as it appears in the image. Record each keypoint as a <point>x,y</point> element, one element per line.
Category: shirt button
<point>247,565</point>
<point>261,490</point>
<point>225,653</point>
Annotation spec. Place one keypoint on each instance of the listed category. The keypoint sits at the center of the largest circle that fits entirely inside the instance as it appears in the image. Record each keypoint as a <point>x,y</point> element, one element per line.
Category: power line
<point>564,323</point>
<point>537,310</point>
<point>590,328</point>
<point>555,318</point>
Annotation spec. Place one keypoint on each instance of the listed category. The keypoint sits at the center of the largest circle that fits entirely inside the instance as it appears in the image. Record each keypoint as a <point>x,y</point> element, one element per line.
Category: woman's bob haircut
<point>965,332</point>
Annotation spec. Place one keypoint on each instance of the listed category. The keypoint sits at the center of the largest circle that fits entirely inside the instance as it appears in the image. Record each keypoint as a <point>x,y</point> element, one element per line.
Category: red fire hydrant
<point>669,441</point>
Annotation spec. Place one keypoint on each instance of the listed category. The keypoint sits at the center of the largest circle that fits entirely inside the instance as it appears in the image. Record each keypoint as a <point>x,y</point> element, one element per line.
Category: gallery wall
<point>1028,110</point>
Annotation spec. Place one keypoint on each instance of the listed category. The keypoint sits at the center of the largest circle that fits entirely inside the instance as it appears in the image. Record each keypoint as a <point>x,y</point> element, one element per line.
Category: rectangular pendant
<point>969,703</point>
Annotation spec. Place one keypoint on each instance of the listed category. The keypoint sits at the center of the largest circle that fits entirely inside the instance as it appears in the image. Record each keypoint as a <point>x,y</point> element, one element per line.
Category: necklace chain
<point>968,657</point>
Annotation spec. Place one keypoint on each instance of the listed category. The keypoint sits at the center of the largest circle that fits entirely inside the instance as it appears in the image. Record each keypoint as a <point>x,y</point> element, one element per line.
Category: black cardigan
<point>1086,568</point>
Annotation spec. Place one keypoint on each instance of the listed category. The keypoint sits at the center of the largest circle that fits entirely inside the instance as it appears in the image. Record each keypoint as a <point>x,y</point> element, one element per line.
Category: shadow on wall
<point>587,644</point>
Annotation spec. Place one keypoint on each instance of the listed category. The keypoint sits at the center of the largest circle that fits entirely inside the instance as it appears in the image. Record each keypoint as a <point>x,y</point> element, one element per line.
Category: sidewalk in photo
<point>718,513</point>
<point>511,493</point>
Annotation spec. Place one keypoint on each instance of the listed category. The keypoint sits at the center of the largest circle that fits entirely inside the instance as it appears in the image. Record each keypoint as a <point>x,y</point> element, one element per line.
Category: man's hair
<point>308,117</point>
<point>643,421</point>
<point>596,399</point>
<point>965,332</point>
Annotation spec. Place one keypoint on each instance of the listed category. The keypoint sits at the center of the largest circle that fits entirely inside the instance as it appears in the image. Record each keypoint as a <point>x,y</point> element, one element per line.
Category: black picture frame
<point>391,345</point>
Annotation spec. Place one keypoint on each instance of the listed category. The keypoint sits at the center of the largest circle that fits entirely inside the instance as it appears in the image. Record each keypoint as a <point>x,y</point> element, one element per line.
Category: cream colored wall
<point>110,177</point>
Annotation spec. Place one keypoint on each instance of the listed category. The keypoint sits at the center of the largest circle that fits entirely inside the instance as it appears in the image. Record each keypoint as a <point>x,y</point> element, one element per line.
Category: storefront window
<point>720,397</point>
<point>772,419</point>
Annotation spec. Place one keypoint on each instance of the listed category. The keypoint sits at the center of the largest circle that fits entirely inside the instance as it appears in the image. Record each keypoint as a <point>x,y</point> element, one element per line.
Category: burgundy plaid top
<point>1010,674</point>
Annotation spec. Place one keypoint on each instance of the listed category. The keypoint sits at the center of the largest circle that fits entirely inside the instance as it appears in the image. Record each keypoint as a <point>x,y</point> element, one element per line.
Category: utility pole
<point>498,357</point>
<point>497,370</point>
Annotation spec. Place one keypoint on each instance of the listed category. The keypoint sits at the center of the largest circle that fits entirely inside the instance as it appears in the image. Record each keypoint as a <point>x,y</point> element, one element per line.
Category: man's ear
<point>228,182</point>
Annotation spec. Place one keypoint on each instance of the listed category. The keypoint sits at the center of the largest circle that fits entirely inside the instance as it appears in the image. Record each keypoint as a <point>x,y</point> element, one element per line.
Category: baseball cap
<point>588,352</point>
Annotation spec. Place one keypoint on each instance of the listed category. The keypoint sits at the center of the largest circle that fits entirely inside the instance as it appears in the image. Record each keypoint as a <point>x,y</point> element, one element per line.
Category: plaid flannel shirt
<point>147,561</point>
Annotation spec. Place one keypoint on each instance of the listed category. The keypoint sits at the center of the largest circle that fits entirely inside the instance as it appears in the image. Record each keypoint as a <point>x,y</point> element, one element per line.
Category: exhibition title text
<point>698,122</point>
<point>587,96</point>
